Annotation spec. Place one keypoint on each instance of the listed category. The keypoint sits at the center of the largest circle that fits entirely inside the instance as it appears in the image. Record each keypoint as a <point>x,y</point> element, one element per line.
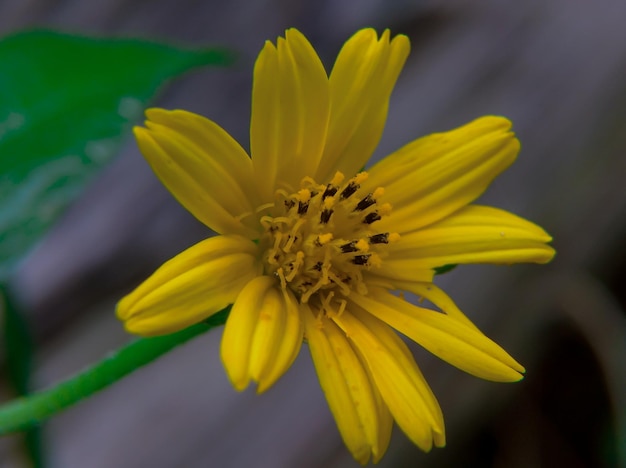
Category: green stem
<point>23,413</point>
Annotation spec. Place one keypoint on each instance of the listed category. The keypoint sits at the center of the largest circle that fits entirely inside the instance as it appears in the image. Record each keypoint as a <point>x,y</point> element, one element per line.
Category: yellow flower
<point>310,248</point>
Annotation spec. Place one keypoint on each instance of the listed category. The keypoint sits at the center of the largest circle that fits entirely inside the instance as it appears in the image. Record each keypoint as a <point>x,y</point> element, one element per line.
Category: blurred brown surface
<point>555,68</point>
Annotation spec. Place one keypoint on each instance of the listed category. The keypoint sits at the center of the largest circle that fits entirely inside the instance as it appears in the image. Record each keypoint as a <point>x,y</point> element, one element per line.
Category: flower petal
<point>190,287</point>
<point>361,82</point>
<point>395,270</point>
<point>362,419</point>
<point>202,166</point>
<point>279,336</point>
<point>399,380</point>
<point>385,419</point>
<point>262,335</point>
<point>438,297</point>
<point>443,336</point>
<point>290,108</point>
<point>475,234</point>
<point>432,177</point>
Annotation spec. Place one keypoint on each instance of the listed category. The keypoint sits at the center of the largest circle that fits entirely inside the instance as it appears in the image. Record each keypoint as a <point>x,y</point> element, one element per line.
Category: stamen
<point>318,239</point>
<point>382,238</point>
<point>308,181</point>
<point>371,217</point>
<point>327,209</point>
<point>349,190</point>
<point>277,238</point>
<point>342,307</point>
<point>295,266</point>
<point>345,290</point>
<point>326,298</point>
<point>394,237</point>
<point>303,207</point>
<point>384,209</point>
<point>323,239</point>
<point>304,195</point>
<point>337,178</point>
<point>361,259</point>
<point>362,245</point>
<point>365,203</point>
<point>281,275</point>
<point>325,216</point>
<point>349,247</point>
<point>360,177</point>
<point>292,236</point>
<point>330,191</point>
<point>374,260</point>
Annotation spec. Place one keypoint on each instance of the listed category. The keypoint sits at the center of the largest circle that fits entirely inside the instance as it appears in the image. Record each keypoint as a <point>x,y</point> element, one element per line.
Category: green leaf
<point>445,269</point>
<point>65,103</point>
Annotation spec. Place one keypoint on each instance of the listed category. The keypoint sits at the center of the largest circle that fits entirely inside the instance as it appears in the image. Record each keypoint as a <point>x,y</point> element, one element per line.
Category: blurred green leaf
<point>65,102</point>
<point>445,269</point>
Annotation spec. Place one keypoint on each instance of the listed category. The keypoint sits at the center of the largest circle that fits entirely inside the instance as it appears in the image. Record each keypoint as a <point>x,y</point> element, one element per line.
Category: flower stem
<point>23,413</point>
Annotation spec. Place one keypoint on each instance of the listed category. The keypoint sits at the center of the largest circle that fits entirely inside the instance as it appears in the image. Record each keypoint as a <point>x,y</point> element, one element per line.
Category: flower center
<point>320,240</point>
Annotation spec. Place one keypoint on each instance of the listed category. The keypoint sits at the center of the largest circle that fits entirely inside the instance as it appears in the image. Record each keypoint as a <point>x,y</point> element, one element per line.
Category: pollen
<point>321,239</point>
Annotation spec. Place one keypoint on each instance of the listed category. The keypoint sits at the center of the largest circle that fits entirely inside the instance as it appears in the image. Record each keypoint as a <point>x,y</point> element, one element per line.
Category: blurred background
<point>556,68</point>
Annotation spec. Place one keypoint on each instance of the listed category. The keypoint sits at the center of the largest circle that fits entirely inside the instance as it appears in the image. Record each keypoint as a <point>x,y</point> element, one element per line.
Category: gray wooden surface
<point>556,68</point>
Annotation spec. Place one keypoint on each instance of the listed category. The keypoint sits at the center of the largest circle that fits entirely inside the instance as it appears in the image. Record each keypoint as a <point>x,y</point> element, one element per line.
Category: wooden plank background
<point>555,68</point>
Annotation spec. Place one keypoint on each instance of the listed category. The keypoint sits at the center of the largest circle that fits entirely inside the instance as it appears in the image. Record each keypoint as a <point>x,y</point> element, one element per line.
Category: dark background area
<point>556,68</point>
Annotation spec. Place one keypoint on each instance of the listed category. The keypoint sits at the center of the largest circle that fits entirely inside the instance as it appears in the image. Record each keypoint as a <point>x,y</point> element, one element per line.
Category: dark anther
<point>365,203</point>
<point>361,259</point>
<point>379,238</point>
<point>349,190</point>
<point>371,217</point>
<point>330,191</point>
<point>349,247</point>
<point>303,207</point>
<point>325,216</point>
<point>289,204</point>
<point>318,266</point>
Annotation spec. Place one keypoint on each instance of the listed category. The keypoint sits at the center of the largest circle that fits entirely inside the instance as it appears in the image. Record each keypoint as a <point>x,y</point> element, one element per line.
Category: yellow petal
<point>190,287</point>
<point>432,177</point>
<point>361,82</point>
<point>438,297</point>
<point>277,342</point>
<point>475,234</point>
<point>443,336</point>
<point>262,336</point>
<point>228,161</point>
<point>396,375</point>
<point>394,270</point>
<point>385,420</point>
<point>239,330</point>
<point>347,387</point>
<point>290,108</point>
<point>202,166</point>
